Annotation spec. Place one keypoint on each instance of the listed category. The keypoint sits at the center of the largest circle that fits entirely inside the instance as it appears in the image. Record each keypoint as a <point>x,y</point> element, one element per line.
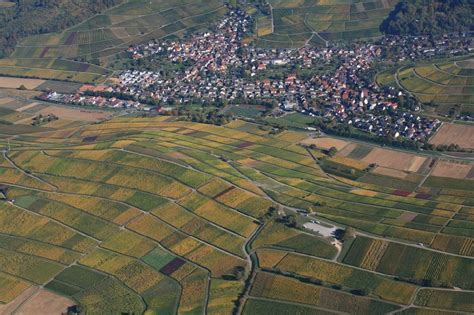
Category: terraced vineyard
<point>317,21</point>
<point>164,216</point>
<point>75,53</point>
<point>445,84</point>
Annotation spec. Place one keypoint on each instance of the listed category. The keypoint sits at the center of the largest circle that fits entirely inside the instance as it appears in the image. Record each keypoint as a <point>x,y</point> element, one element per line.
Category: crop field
<point>461,135</point>
<point>298,22</point>
<point>275,287</point>
<point>172,217</point>
<point>14,83</point>
<point>444,84</point>
<point>16,115</point>
<point>379,256</point>
<point>76,53</point>
<point>458,301</point>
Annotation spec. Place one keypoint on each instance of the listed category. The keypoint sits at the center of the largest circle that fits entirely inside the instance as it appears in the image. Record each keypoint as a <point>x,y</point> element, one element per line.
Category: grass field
<point>170,217</point>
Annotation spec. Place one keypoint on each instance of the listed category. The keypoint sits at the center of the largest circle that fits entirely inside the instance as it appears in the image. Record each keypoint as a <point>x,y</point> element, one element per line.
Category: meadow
<point>159,216</point>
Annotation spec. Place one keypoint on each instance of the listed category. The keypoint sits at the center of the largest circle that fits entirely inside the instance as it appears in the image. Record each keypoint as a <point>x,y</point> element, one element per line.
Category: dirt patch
<point>326,143</point>
<point>14,83</point>
<point>9,308</point>
<point>452,170</point>
<point>75,114</point>
<point>45,302</point>
<point>416,164</point>
<point>462,135</point>
<point>395,159</point>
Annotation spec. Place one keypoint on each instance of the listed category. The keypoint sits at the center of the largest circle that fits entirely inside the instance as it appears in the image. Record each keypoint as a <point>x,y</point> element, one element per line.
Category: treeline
<point>424,17</point>
<point>32,17</point>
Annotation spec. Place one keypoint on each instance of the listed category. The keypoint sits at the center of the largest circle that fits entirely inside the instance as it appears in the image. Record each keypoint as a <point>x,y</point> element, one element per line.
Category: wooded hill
<point>30,17</point>
<point>416,17</point>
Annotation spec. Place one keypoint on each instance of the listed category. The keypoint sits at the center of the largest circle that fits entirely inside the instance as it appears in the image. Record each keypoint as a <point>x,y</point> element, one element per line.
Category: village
<point>218,68</point>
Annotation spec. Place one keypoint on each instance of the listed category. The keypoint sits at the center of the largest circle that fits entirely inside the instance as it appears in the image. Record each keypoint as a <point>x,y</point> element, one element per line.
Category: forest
<point>421,17</point>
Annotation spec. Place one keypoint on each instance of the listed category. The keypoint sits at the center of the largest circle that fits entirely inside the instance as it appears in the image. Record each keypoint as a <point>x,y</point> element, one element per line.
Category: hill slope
<point>416,17</point>
<point>162,215</point>
<point>296,22</point>
<point>37,17</point>
<point>74,54</point>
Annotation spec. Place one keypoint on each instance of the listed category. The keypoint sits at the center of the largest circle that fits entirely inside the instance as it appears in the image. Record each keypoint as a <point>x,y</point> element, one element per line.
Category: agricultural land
<point>294,23</point>
<point>84,52</point>
<point>447,86</point>
<point>162,216</point>
<point>208,157</point>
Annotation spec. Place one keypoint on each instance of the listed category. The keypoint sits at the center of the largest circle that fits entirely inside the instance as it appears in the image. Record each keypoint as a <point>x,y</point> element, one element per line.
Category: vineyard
<point>296,23</point>
<point>160,216</point>
<point>76,53</point>
<point>444,84</point>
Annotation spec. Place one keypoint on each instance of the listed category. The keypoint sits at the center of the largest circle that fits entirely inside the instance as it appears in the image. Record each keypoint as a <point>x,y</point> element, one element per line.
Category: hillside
<point>169,217</point>
<point>447,86</point>
<point>37,17</point>
<point>298,22</point>
<point>417,17</point>
<point>84,52</point>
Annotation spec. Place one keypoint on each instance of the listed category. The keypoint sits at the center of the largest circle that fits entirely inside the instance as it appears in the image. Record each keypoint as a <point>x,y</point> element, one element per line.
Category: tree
<point>361,292</point>
<point>22,87</point>
<point>332,151</point>
<point>291,220</point>
<point>239,272</point>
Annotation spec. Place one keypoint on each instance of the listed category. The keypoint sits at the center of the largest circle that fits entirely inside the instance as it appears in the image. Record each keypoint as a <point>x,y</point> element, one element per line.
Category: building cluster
<point>217,67</point>
<point>80,99</point>
<point>402,48</point>
<point>212,51</point>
